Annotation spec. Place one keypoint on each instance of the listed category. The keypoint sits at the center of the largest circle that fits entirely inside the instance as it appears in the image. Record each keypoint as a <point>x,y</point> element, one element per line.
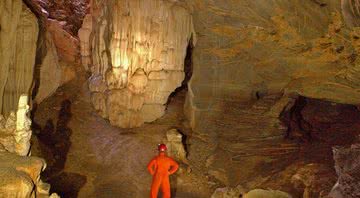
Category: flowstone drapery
<point>137,51</point>
<point>18,38</point>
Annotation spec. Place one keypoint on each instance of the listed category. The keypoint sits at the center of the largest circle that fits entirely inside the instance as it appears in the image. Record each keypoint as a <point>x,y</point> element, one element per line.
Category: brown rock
<point>67,46</point>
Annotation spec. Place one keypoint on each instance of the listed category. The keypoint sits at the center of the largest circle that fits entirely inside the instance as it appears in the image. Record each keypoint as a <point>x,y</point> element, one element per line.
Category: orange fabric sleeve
<point>152,167</point>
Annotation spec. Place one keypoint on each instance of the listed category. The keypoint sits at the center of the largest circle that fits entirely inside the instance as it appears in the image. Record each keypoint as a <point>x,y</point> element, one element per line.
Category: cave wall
<point>254,47</point>
<point>18,38</point>
<point>137,57</point>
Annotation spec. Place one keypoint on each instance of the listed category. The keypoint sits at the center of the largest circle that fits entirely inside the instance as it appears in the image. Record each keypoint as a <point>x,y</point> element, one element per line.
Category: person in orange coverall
<point>161,167</point>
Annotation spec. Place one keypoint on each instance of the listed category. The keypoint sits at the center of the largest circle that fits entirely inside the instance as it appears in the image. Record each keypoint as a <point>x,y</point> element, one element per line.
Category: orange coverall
<point>160,167</point>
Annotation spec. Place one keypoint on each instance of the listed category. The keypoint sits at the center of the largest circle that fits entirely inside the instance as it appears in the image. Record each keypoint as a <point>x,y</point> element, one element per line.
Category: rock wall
<point>18,37</point>
<point>57,52</point>
<point>137,57</point>
<point>253,48</point>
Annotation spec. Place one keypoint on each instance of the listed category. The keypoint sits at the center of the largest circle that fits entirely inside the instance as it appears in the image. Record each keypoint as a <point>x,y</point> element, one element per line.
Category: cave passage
<point>318,122</point>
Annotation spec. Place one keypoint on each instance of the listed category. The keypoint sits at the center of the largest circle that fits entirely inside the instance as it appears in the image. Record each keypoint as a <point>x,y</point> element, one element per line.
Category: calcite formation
<point>18,37</point>
<point>85,45</point>
<point>137,51</point>
<point>19,173</point>
<point>15,131</point>
<point>174,143</point>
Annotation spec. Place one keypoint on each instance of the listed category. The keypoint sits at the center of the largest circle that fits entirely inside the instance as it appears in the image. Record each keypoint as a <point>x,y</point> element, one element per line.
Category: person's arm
<point>174,166</point>
<point>152,167</point>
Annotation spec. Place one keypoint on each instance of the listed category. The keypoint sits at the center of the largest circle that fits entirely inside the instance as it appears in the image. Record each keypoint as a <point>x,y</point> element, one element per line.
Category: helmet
<point>162,147</point>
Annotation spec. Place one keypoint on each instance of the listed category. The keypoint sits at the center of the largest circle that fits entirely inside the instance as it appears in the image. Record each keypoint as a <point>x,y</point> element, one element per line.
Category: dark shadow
<point>297,126</point>
<point>67,184</point>
<point>188,69</point>
<point>55,143</point>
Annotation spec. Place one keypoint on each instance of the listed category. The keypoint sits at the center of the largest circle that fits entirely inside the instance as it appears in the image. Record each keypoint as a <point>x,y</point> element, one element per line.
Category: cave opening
<point>322,124</point>
<point>317,128</point>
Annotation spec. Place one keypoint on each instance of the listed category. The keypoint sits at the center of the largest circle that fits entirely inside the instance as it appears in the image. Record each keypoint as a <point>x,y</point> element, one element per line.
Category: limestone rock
<point>18,37</point>
<point>67,46</point>
<point>260,193</point>
<point>347,164</point>
<point>50,71</point>
<point>174,143</point>
<point>99,102</point>
<point>20,176</point>
<point>11,122</point>
<point>228,192</point>
<point>16,132</point>
<point>147,58</point>
<point>2,121</point>
<point>312,178</point>
<point>116,78</point>
<point>150,112</point>
<point>309,61</point>
<point>97,84</point>
<point>23,127</point>
<point>85,44</point>
<point>138,82</point>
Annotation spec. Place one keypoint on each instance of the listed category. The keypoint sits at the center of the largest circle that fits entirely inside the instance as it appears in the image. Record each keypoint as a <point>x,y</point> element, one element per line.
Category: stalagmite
<point>23,127</point>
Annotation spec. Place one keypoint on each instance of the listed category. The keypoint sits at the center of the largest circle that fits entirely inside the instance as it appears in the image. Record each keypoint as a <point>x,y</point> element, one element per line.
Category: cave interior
<point>253,98</point>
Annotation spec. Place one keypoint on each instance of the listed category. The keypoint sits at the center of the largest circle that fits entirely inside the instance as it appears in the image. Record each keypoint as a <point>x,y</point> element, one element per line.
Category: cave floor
<point>87,157</point>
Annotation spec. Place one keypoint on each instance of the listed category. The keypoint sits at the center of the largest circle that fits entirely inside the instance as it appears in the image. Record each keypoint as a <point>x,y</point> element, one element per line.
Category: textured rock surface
<point>347,165</point>
<point>228,192</point>
<point>260,193</point>
<point>139,61</point>
<point>252,60</point>
<point>50,70</point>
<point>20,177</point>
<point>15,131</point>
<point>85,44</point>
<point>18,38</point>
<point>20,174</point>
<point>174,142</point>
<point>67,46</point>
<point>268,49</point>
<point>70,12</point>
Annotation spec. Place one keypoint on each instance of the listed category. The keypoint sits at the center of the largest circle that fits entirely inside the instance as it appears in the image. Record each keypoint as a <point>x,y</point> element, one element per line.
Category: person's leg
<point>155,187</point>
<point>165,187</point>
